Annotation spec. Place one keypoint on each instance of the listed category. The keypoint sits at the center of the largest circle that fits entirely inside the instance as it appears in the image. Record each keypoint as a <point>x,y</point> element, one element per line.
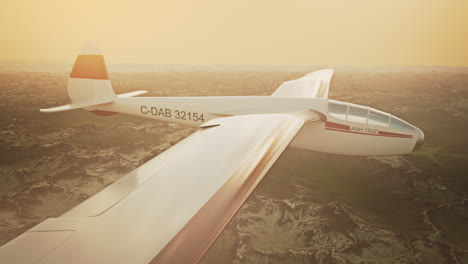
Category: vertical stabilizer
<point>89,83</point>
<point>89,79</point>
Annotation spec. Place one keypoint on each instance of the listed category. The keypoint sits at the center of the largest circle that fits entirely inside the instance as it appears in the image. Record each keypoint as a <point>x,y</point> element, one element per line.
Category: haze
<point>332,33</point>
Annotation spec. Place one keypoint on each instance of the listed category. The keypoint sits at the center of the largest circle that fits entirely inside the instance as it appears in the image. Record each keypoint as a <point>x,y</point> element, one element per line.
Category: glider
<point>172,208</point>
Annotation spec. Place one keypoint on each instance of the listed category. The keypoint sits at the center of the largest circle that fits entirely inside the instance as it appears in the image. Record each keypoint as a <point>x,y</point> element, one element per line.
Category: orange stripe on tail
<point>90,67</point>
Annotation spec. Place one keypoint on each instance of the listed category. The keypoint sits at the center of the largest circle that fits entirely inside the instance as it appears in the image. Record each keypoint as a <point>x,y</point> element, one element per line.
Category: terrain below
<point>310,207</point>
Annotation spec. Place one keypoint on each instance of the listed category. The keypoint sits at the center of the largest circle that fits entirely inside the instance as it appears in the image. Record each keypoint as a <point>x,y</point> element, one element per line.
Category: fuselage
<point>347,129</point>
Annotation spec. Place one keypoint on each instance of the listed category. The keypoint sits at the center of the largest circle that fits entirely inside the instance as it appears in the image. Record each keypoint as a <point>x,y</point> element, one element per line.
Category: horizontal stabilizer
<point>131,94</point>
<point>89,103</point>
<point>77,105</point>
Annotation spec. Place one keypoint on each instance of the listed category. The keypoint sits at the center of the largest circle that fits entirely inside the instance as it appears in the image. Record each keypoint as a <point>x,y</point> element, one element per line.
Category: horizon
<point>7,67</point>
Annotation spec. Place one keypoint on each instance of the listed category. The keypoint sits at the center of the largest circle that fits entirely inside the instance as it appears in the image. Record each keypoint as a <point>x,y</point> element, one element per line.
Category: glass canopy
<point>365,115</point>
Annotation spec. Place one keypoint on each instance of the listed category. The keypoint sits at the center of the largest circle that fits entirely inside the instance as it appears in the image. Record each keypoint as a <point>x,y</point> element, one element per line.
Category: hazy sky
<point>347,32</point>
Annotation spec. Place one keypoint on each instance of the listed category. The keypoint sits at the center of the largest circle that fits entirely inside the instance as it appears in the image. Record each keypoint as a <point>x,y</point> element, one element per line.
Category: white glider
<point>172,208</point>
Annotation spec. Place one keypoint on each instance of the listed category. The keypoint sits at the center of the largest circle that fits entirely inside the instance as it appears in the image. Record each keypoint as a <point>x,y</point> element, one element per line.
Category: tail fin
<point>89,78</point>
<point>89,82</point>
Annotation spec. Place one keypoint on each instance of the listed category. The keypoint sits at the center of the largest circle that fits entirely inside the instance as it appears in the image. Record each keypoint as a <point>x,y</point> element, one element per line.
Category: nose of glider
<point>420,140</point>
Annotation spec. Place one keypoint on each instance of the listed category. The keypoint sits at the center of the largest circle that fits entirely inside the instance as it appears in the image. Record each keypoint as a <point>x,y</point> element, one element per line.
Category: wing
<point>172,208</point>
<point>314,84</point>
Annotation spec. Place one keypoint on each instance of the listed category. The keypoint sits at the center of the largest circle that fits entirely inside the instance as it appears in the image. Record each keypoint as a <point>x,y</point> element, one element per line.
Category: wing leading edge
<point>172,208</point>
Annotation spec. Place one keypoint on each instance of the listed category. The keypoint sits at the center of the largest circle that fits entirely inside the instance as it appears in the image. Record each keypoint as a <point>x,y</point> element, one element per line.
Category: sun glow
<point>358,33</point>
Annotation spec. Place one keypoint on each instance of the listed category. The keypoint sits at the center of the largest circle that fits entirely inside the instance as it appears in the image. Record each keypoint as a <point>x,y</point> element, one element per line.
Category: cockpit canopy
<point>365,115</point>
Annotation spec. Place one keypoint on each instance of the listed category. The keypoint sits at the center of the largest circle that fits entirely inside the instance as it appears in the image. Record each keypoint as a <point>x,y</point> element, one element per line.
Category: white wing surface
<point>314,85</point>
<point>172,208</point>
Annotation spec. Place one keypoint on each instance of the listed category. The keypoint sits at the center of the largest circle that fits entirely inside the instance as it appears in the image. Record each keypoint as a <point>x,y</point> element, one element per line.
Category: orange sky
<point>347,32</point>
